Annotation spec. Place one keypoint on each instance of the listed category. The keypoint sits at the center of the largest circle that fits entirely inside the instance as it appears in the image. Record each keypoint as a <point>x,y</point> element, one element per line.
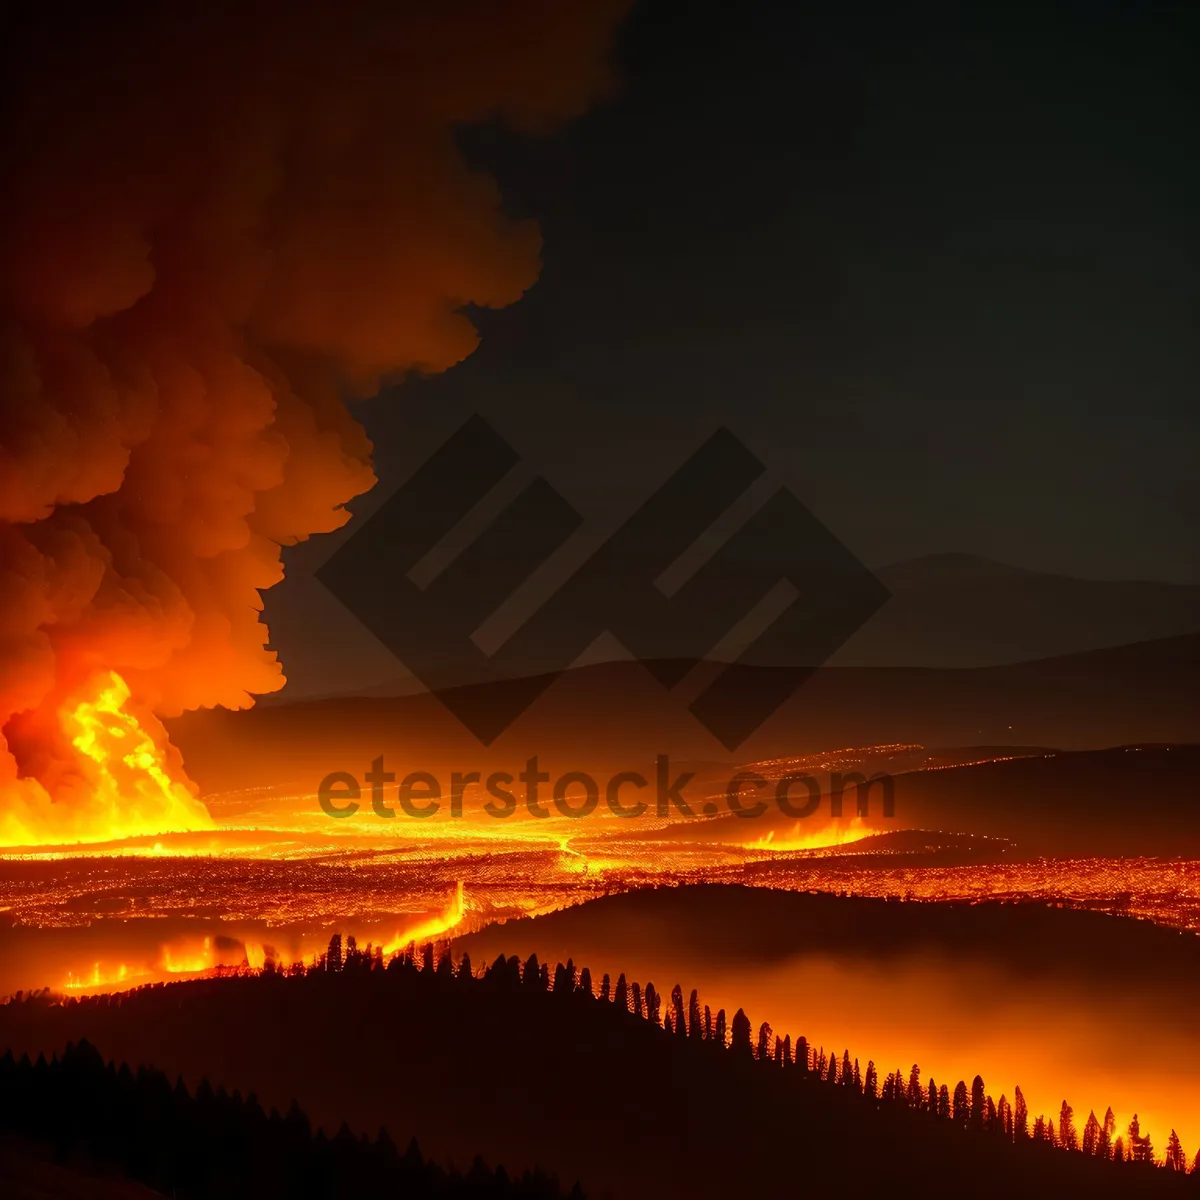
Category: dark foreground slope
<point>208,1145</point>
<point>528,1066</point>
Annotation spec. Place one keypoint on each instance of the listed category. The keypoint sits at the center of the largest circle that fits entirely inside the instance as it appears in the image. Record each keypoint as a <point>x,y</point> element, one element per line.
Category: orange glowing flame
<point>98,979</point>
<point>817,839</point>
<point>188,958</point>
<point>433,928</point>
<point>125,788</point>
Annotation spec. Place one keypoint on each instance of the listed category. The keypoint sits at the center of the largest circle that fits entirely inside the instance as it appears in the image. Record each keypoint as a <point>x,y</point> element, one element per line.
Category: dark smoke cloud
<point>219,221</point>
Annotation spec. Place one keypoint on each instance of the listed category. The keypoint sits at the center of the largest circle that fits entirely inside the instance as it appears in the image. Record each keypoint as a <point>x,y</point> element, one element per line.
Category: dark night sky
<point>934,264</point>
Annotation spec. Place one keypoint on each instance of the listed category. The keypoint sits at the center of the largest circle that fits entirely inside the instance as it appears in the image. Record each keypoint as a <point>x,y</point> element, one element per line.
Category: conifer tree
<point>1067,1138</point>
<point>914,1096</point>
<point>739,1041</point>
<point>763,1049</point>
<point>677,1014</point>
<point>532,975</point>
<point>1004,1117</point>
<point>962,1108</point>
<point>333,956</point>
<point>978,1103</point>
<point>653,1005</point>
<point>1175,1159</point>
<point>621,998</point>
<point>1020,1116</point>
<point>564,980</point>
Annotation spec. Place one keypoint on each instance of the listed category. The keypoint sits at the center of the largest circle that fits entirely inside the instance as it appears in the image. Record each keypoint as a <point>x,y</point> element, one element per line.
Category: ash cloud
<point>220,222</point>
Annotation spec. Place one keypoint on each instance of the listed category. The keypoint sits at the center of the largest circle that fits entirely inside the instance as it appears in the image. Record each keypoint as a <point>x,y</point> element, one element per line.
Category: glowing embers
<point>116,781</point>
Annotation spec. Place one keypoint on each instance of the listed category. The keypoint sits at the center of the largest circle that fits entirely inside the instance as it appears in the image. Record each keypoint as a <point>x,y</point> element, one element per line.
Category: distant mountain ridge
<point>953,611</point>
<point>1148,692</point>
<point>961,610</point>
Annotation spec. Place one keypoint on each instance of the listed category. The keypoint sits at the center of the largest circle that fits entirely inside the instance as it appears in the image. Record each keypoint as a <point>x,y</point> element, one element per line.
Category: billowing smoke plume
<point>218,221</point>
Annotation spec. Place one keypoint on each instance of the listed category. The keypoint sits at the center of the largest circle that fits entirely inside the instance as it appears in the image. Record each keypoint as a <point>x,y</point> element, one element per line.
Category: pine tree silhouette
<point>739,1042</point>
<point>678,1018</point>
<point>914,1095</point>
<point>978,1103</point>
<point>763,1048</point>
<point>653,1005</point>
<point>962,1107</point>
<point>1067,1137</point>
<point>1004,1118</point>
<point>1020,1115</point>
<point>621,998</point>
<point>1175,1159</point>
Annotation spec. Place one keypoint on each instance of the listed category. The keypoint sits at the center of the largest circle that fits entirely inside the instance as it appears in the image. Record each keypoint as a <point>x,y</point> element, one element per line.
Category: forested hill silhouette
<point>763,925</point>
<point>213,1144</point>
<point>645,1095</point>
